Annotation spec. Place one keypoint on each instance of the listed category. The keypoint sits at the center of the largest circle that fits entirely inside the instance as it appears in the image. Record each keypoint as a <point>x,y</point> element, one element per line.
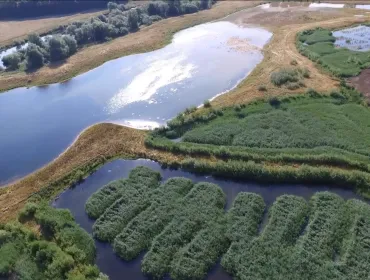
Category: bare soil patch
<point>362,83</point>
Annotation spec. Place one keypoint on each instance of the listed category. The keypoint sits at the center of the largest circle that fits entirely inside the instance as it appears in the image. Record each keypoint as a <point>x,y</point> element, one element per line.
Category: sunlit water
<point>355,38</point>
<point>117,269</point>
<point>142,91</point>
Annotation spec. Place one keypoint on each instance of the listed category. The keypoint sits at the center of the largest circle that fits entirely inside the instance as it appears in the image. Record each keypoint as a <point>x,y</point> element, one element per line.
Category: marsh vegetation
<point>46,244</point>
<point>319,45</point>
<point>185,230</point>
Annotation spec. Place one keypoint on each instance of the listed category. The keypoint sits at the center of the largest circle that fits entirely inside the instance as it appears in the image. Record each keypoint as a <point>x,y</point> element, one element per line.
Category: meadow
<point>46,243</point>
<point>318,45</point>
<point>185,231</point>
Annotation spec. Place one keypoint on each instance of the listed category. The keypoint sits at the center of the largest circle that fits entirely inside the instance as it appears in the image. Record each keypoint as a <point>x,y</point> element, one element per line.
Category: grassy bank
<point>46,244</point>
<point>185,229</point>
<point>312,138</point>
<point>318,45</point>
<point>147,39</point>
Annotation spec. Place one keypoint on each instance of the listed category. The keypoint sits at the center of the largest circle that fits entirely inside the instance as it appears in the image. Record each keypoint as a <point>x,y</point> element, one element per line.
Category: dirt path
<point>281,50</point>
<point>147,39</point>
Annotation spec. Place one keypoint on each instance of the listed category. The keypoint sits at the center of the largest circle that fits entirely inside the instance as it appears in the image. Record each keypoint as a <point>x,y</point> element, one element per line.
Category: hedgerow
<point>141,230</point>
<point>203,205</point>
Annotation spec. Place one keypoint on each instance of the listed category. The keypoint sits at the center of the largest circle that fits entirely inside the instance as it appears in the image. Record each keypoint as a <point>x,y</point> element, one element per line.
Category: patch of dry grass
<point>19,29</point>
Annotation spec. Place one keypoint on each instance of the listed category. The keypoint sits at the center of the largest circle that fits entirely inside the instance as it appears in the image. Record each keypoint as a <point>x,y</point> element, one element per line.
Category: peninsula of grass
<point>308,138</point>
<point>46,243</point>
<point>185,231</point>
<point>318,45</point>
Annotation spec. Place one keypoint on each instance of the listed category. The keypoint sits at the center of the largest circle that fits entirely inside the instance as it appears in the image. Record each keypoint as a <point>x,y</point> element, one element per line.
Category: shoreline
<point>103,142</point>
<point>147,39</point>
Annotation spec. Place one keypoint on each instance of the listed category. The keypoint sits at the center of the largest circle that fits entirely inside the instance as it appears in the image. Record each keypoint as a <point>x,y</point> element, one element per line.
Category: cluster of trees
<point>119,21</point>
<point>40,51</point>
<point>62,250</point>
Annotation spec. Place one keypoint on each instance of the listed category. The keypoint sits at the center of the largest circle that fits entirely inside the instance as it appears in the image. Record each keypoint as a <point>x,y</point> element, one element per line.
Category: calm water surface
<point>355,38</point>
<point>117,269</point>
<point>141,91</point>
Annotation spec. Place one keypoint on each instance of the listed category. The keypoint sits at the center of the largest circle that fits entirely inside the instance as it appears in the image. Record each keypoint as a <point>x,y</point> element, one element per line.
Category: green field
<point>318,45</point>
<point>185,230</point>
<point>57,249</point>
<point>308,138</point>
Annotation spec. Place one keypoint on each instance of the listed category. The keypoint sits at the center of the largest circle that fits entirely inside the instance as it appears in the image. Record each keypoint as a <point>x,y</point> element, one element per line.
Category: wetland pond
<point>141,91</point>
<point>75,198</point>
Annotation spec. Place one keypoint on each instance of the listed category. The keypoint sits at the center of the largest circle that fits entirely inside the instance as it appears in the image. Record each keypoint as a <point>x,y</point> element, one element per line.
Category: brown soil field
<point>147,39</point>
<point>17,30</point>
<point>362,83</point>
<point>104,142</point>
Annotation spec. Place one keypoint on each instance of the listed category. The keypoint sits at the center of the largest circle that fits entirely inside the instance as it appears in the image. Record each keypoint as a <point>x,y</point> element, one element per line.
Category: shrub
<point>293,62</point>
<point>71,43</point>
<point>274,102</point>
<point>189,8</point>
<point>262,88</point>
<point>207,104</point>
<point>34,56</point>
<point>58,48</point>
<point>12,61</point>
<point>36,39</point>
<point>284,76</point>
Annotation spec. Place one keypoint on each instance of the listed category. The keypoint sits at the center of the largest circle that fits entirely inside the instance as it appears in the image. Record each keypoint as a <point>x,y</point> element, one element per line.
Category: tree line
<point>119,21</point>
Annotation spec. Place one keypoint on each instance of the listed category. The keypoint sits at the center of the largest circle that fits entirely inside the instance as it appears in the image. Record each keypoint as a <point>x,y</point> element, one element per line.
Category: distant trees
<point>121,19</point>
<point>12,61</point>
<point>34,56</point>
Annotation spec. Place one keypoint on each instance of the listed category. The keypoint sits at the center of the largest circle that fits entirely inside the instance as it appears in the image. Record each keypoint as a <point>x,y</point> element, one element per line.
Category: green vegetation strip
<point>140,232</point>
<point>61,250</point>
<point>186,230</point>
<point>318,45</point>
<point>308,138</point>
<point>134,198</point>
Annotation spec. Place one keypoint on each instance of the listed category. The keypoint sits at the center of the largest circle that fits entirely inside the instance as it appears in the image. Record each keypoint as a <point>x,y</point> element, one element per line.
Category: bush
<point>12,61</point>
<point>34,56</point>
<point>189,8</point>
<point>262,88</point>
<point>207,104</point>
<point>284,76</point>
<point>71,43</point>
<point>36,39</point>
<point>58,48</point>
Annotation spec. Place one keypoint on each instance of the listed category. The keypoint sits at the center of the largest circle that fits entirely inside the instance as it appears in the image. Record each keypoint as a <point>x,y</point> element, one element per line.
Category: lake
<point>141,91</point>
<point>74,199</point>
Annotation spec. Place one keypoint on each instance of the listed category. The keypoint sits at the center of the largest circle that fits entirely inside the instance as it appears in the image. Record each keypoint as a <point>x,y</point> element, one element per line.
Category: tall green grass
<point>61,250</point>
<point>317,45</point>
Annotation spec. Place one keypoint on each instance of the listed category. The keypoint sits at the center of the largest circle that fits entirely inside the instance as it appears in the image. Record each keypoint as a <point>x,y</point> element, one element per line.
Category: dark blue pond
<point>117,269</point>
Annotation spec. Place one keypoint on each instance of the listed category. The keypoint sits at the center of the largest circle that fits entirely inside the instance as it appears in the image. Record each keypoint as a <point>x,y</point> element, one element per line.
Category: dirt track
<point>282,50</point>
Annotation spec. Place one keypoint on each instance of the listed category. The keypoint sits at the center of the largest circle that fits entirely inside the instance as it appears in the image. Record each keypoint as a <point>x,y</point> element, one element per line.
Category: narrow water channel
<point>141,91</point>
<point>75,199</point>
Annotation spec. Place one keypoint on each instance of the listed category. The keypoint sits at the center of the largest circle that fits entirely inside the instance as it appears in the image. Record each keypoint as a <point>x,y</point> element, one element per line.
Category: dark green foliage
<point>202,206</point>
<point>35,56</point>
<point>134,198</point>
<point>207,104</point>
<point>57,253</point>
<point>59,47</point>
<point>102,199</point>
<point>243,220</point>
<point>325,239</point>
<point>320,48</point>
<point>139,233</point>
<point>36,39</point>
<point>12,61</point>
